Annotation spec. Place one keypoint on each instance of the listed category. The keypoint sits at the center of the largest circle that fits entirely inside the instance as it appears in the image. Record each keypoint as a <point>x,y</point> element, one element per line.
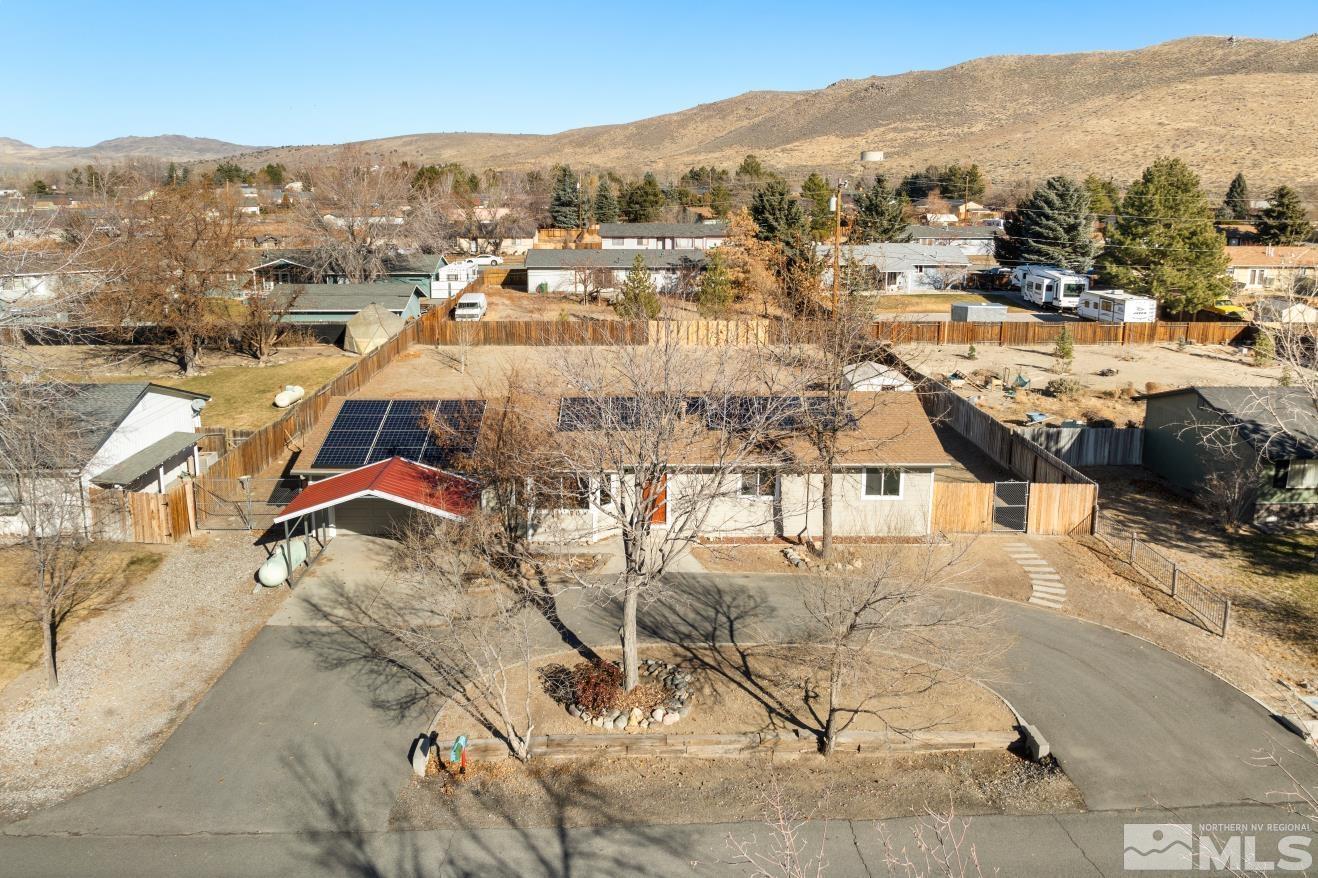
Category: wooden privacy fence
<point>129,516</point>
<point>1024,333</point>
<point>1090,446</point>
<point>963,507</point>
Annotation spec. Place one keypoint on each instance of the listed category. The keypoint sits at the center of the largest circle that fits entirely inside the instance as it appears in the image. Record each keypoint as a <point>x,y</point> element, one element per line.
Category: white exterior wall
<point>564,280</point>
<point>452,280</point>
<point>155,416</point>
<point>664,243</point>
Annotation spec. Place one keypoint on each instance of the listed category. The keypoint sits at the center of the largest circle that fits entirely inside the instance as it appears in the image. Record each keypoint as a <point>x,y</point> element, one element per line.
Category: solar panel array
<point>589,413</point>
<point>371,430</point>
<point>788,413</point>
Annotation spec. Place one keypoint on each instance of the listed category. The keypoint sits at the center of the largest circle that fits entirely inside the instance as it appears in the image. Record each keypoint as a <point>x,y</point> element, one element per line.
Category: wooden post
<point>1176,574</point>
<point>1226,617</point>
<point>1133,538</point>
<point>1002,334</point>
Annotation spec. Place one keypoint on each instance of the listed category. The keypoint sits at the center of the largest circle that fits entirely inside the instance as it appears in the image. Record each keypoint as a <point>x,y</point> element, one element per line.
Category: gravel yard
<point>131,674</point>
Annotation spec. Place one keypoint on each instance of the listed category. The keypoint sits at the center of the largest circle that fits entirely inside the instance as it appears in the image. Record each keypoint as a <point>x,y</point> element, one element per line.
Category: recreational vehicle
<point>1116,306</point>
<point>1054,287</point>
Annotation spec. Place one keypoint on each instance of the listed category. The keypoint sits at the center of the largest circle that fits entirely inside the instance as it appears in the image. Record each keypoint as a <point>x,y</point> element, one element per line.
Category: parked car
<point>471,306</point>
<point>485,259</point>
<point>1224,307</point>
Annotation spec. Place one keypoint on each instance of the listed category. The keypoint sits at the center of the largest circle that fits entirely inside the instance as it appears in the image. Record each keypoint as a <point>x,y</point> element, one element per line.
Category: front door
<point>655,497</point>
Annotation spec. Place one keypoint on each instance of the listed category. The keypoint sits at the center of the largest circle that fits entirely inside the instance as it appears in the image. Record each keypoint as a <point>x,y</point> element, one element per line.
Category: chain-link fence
<point>243,504</point>
<point>1210,607</point>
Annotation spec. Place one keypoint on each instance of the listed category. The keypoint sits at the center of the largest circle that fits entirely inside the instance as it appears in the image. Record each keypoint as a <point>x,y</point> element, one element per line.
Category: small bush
<point>597,685</point>
<point>971,353</point>
<point>542,288</point>
<point>1265,349</point>
<point>1064,349</point>
<point>1064,387</point>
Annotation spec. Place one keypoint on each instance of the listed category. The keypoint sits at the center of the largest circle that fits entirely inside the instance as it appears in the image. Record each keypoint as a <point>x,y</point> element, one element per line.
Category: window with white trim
<point>881,482</point>
<point>757,483</point>
<point>9,497</point>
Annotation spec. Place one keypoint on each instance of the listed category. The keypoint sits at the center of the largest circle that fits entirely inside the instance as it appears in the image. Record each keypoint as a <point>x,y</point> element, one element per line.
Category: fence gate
<point>1011,505</point>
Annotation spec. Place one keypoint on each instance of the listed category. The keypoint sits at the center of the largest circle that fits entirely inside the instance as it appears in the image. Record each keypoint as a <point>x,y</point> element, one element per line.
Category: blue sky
<point>270,73</point>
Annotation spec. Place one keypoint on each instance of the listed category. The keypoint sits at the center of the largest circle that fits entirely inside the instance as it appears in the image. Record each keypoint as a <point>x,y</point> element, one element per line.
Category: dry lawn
<point>1138,369</point>
<point>110,571</point>
<point>635,791</point>
<point>775,689</point>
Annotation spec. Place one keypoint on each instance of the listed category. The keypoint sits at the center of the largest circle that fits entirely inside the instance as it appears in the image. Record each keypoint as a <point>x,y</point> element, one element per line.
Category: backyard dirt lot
<point>242,392</point>
<point>605,792</point>
<point>1136,369</point>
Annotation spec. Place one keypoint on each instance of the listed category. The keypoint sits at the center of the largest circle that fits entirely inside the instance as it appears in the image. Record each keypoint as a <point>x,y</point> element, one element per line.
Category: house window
<point>882,482</point>
<point>9,497</point>
<point>1257,276</point>
<point>757,483</point>
<point>642,242</point>
<point>1302,474</point>
<point>606,492</point>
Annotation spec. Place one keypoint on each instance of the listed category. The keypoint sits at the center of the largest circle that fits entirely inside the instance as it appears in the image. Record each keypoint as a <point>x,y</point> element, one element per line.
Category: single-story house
<point>453,278</point>
<point>571,271</point>
<point>1285,309</point>
<point>910,268</point>
<point>1256,268</point>
<point>301,266</point>
<point>662,236</point>
<point>338,303</point>
<point>38,276</point>
<point>140,437</point>
<point>1255,447</point>
<point>970,240</point>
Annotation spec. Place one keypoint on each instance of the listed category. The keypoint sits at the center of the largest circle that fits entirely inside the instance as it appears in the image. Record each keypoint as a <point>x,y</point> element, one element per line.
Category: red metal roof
<point>402,481</point>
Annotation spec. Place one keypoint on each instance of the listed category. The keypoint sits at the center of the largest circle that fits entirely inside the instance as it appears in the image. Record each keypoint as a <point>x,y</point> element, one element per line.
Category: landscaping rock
<point>670,719</point>
<point>620,721</point>
<point>657,714</point>
<point>636,714</point>
<point>574,709</point>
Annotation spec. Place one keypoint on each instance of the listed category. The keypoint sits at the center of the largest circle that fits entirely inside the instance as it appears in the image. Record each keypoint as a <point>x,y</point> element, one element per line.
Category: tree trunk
<point>48,648</point>
<point>187,355</point>
<point>826,515</point>
<point>630,659</point>
<point>830,724</point>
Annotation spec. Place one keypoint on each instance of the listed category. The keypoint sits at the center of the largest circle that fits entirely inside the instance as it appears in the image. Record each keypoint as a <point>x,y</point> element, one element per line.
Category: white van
<point>471,306</point>
<point>1054,287</point>
<point>1117,306</point>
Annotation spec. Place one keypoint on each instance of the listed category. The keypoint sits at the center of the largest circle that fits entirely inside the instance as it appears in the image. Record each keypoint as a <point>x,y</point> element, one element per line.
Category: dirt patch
<point>768,688</point>
<point>1133,370</point>
<point>607,792</point>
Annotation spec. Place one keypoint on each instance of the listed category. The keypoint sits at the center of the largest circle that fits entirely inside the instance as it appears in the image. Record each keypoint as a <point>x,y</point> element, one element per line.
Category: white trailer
<point>1117,306</point>
<point>1054,287</point>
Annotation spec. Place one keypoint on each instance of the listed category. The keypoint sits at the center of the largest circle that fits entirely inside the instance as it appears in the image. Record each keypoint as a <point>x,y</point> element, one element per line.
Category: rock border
<point>674,709</point>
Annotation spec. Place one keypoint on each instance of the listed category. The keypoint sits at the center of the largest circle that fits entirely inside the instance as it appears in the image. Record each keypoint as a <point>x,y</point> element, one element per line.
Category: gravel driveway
<point>129,676</point>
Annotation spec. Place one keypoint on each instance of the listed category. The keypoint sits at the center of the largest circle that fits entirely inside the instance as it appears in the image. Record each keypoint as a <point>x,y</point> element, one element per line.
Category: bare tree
<point>450,627</point>
<point>355,215</point>
<point>177,266</point>
<point>43,447</point>
<point>649,440</point>
<point>263,324</point>
<point>942,849</point>
<point>787,851</point>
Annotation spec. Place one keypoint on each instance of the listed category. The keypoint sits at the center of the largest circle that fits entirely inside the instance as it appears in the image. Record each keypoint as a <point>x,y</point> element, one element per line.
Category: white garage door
<point>371,517</point>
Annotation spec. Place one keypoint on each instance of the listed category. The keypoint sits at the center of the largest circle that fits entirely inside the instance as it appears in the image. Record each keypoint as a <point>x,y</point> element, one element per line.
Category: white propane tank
<point>278,566</point>
<point>289,395</point>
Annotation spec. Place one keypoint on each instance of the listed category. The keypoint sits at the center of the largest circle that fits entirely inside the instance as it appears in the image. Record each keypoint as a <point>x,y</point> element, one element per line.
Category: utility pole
<point>837,242</point>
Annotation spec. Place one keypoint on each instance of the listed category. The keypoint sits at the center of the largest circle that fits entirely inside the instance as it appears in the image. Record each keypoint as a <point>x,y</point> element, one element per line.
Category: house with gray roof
<point>306,266</point>
<point>663,236</point>
<point>140,437</point>
<point>970,240</point>
<point>1252,448</point>
<point>897,268</point>
<point>325,309</point>
<point>573,271</point>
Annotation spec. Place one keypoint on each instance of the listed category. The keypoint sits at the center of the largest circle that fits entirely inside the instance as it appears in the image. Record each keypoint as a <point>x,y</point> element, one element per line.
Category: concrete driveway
<point>285,744</point>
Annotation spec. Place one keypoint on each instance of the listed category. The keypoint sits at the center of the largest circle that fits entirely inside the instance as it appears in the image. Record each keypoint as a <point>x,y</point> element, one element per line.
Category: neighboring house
<point>453,278</point>
<point>970,240</point>
<point>325,310</point>
<point>1253,447</point>
<point>663,236</point>
<point>1256,268</point>
<point>139,437</point>
<point>300,266</point>
<point>912,268</point>
<point>940,219</point>
<point>44,277</point>
<point>883,484</point>
<point>1285,310</point>
<point>572,271</point>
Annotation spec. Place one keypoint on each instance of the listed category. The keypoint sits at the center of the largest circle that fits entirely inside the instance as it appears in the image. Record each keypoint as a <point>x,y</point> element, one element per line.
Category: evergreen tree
<point>720,199</point>
<point>1051,227</point>
<point>606,203</point>
<point>171,175</point>
<point>818,193</point>
<point>750,169</point>
<point>274,173</point>
<point>880,215</point>
<point>638,301</point>
<point>776,212</point>
<point>1236,204</point>
<point>965,183</point>
<point>228,172</point>
<point>643,200</point>
<point>1284,220</point>
<point>715,294</point>
<point>565,199</point>
<point>1104,196</point>
<point>1163,243</point>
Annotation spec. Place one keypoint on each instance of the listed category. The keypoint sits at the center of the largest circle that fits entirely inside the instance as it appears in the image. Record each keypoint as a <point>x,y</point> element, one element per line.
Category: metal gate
<point>1011,504</point>
<point>243,503</point>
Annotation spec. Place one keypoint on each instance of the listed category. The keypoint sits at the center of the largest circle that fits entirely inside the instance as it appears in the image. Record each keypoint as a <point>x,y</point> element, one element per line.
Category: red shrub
<point>597,685</point>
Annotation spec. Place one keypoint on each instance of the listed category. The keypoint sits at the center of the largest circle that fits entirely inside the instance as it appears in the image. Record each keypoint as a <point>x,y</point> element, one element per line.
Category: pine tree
<point>750,169</point>
<point>606,203</point>
<point>1051,227</point>
<point>880,215</point>
<point>642,201</point>
<point>638,301</point>
<point>1104,196</point>
<point>565,200</point>
<point>720,200</point>
<point>965,183</point>
<point>1236,203</point>
<point>776,212</point>
<point>715,294</point>
<point>818,193</point>
<point>1284,220</point>
<point>1163,243</point>
<point>1064,348</point>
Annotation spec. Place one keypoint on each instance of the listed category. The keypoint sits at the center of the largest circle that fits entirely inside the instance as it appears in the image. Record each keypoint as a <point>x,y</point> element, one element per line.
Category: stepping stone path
<point>1046,584</point>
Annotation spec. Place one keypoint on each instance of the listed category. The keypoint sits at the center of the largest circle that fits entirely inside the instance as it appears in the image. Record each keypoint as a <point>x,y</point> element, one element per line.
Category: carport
<point>376,499</point>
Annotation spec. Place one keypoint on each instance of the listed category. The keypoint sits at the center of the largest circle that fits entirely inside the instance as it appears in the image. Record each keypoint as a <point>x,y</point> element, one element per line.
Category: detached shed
<point>371,327</point>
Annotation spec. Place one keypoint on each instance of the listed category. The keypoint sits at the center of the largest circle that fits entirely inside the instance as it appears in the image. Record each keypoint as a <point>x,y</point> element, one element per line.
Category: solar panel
<point>590,413</point>
<point>371,430</point>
